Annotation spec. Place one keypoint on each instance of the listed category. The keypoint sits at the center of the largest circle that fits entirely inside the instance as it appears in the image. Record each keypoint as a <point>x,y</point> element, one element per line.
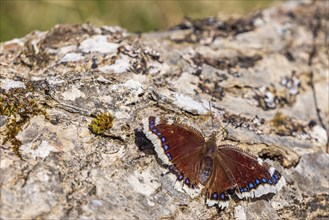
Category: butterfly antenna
<point>211,116</point>
<point>223,132</point>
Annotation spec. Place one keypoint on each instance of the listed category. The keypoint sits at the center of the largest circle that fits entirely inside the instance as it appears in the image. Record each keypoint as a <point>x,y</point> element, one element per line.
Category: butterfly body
<point>201,166</point>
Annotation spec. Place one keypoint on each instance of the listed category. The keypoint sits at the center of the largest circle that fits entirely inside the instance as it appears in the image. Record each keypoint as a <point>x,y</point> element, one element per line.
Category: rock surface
<point>265,77</point>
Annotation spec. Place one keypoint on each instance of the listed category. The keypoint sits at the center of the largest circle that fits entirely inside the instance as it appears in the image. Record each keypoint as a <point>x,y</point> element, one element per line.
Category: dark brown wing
<point>180,144</point>
<point>238,172</point>
<point>235,167</point>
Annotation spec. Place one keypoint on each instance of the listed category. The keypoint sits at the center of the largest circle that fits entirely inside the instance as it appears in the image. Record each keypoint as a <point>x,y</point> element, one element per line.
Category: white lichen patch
<point>134,85</point>
<point>143,182</point>
<point>239,213</point>
<point>8,84</point>
<point>52,80</point>
<point>187,103</point>
<point>40,137</point>
<point>187,83</point>
<point>98,43</point>
<point>319,134</point>
<point>5,163</point>
<point>73,94</point>
<point>121,65</point>
<point>71,57</point>
<point>122,115</point>
<point>37,150</point>
<point>131,89</point>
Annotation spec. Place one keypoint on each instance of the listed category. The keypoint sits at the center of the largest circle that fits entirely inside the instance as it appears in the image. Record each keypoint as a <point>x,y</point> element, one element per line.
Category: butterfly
<point>219,172</point>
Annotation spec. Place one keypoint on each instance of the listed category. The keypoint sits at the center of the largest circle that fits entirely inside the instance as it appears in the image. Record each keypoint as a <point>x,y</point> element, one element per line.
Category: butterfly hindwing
<point>239,173</point>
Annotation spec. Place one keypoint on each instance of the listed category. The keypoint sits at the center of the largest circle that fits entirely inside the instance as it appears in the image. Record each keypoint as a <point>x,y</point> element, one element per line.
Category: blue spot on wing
<point>274,180</point>
<point>187,181</point>
<point>214,196</point>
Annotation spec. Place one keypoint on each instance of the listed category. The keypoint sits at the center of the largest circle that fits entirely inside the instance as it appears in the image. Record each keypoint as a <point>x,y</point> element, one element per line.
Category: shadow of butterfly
<point>221,172</point>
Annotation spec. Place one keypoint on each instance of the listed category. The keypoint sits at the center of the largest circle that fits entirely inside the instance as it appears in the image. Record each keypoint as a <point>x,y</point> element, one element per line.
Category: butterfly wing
<point>238,172</point>
<point>177,144</point>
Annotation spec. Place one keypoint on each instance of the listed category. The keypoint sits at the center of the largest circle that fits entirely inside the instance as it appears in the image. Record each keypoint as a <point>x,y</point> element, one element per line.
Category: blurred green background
<point>19,17</point>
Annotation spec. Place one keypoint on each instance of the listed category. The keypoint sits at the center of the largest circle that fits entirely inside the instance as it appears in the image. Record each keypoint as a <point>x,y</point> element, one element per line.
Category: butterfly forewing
<point>183,146</point>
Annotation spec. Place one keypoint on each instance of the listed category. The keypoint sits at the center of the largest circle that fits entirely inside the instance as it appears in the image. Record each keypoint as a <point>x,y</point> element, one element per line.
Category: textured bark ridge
<point>72,100</point>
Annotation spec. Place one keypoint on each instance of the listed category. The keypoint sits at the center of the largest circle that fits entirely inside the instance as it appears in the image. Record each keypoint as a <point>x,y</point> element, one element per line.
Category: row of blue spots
<point>252,185</point>
<point>273,180</point>
<point>179,176</point>
<point>243,189</point>
<point>276,177</point>
<point>152,123</point>
<point>163,139</point>
<point>222,196</point>
<point>155,131</point>
<point>152,127</point>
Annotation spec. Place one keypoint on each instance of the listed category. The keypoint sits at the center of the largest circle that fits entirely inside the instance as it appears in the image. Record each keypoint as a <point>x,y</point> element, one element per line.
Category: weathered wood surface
<point>266,77</point>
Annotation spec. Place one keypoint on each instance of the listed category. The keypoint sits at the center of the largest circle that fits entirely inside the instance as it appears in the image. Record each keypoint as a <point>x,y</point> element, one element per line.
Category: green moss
<point>19,106</point>
<point>101,123</point>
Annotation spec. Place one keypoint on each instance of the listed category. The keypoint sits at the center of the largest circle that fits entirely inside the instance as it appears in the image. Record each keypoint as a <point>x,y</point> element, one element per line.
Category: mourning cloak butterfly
<point>220,172</point>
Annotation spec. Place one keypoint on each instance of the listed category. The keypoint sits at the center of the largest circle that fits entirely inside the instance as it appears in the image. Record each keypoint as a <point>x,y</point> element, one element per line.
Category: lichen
<point>18,105</point>
<point>101,123</point>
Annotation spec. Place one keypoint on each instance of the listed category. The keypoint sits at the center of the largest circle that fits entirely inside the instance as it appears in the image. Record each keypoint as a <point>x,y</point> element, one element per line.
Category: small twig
<point>312,54</point>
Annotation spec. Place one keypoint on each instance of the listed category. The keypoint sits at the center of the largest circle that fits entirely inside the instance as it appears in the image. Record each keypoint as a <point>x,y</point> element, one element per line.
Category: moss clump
<point>18,105</point>
<point>101,123</point>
